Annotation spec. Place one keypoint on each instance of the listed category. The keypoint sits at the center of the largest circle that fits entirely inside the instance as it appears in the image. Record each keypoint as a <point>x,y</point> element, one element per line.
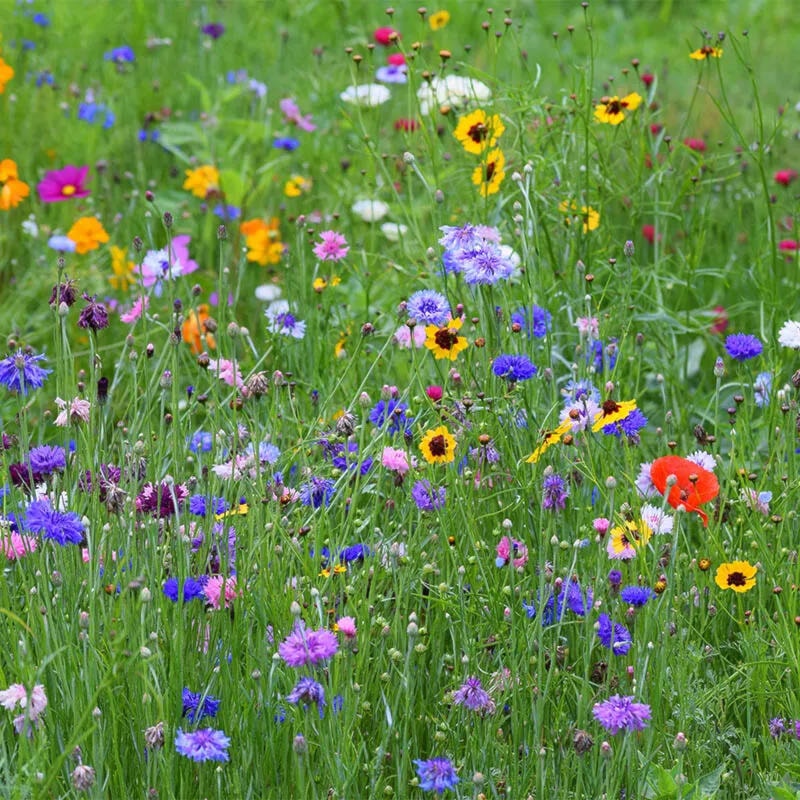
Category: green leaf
<point>232,183</point>
<point>708,785</point>
<point>660,784</point>
<point>782,793</point>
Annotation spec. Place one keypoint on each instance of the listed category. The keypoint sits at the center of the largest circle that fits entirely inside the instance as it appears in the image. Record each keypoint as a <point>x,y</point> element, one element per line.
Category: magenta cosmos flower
<point>63,184</point>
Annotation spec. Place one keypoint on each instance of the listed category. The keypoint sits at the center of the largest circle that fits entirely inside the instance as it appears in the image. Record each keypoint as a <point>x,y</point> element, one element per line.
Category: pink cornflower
<point>434,393</point>
<point>32,705</point>
<point>76,411</point>
<point>63,184</point>
<point>395,460</point>
<point>385,35</point>
<point>227,371</point>
<point>601,525</point>
<point>347,626</point>
<point>15,545</point>
<point>291,113</point>
<point>785,176</point>
<point>303,646</point>
<point>213,590</point>
<point>588,326</point>
<point>506,547</point>
<point>720,322</point>
<point>788,245</point>
<point>333,246</point>
<point>698,145</point>
<point>139,307</point>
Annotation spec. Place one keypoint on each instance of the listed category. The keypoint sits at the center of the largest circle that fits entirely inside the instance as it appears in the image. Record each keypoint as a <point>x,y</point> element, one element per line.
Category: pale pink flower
<point>601,525</point>
<point>15,545</point>
<point>347,626</point>
<point>77,410</point>
<point>234,469</point>
<point>588,326</point>
<point>227,371</point>
<point>291,113</point>
<point>139,307</point>
<point>333,246</point>
<point>395,460</point>
<point>507,547</point>
<point>405,338</point>
<point>213,590</point>
<point>15,694</point>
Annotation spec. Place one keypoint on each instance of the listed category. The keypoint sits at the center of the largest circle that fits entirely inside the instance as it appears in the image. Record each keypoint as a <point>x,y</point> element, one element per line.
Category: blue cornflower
<point>286,143</point>
<point>392,412</point>
<point>45,78</point>
<point>268,453</point>
<point>192,590</point>
<point>630,426</point>
<point>428,307</point>
<point>554,492</point>
<point>62,244</point>
<point>355,552</point>
<point>46,459</point>
<point>205,744</point>
<point>596,353</point>
<point>42,20</point>
<point>227,212</point>
<point>426,497</point>
<point>93,112</point>
<point>308,691</point>
<point>637,595</point>
<point>742,346</point>
<point>762,388</point>
<point>613,635</point>
<point>513,368</point>
<point>200,505</point>
<point>200,442</point>
<point>436,774</point>
<point>20,372</point>
<point>575,391</point>
<point>316,492</point>
<point>120,55</point>
<point>535,321</point>
<point>196,706</point>
<point>462,237</point>
<point>485,264</point>
<point>64,527</point>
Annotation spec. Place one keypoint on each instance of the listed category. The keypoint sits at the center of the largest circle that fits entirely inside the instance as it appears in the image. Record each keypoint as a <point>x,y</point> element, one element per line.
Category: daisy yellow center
<point>446,338</point>
<point>478,133</point>
<point>736,579</point>
<point>68,190</point>
<point>438,446</point>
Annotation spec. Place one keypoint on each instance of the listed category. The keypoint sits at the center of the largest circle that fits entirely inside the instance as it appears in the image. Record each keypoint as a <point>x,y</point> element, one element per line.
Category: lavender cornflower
<point>426,497</point>
<point>485,264</point>
<point>613,635</point>
<point>762,388</point>
<point>308,691</point>
<point>637,595</point>
<point>64,527</point>
<point>93,315</point>
<point>428,307</point>
<point>473,696</point>
<point>316,492</point>
<point>20,372</point>
<point>213,30</point>
<point>513,368</point>
<point>47,459</point>
<point>622,714</point>
<point>392,412</point>
<point>206,744</point>
<point>196,706</point>
<point>743,346</point>
<point>459,238</point>
<point>554,493</point>
<point>777,727</point>
<point>304,646</point>
<point>436,774</point>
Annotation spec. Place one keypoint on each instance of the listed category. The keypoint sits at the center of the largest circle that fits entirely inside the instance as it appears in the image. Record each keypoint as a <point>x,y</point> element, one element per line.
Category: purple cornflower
<point>304,646</point>
<point>614,578</point>
<point>621,714</point>
<point>392,412</point>
<point>192,590</point>
<point>20,372</point>
<point>428,307</point>
<point>200,442</point>
<point>93,315</point>
<point>473,696</point>
<point>392,73</point>
<point>613,635</point>
<point>777,727</point>
<point>307,691</point>
<point>316,492</point>
<point>200,505</point>
<point>291,113</point>
<point>630,426</point>
<point>213,29</point>
<point>462,237</point>
<point>286,143</point>
<point>436,774</point>
<point>206,744</point>
<point>426,497</point>
<point>120,55</point>
<point>64,527</point>
<point>742,346</point>
<point>637,595</point>
<point>47,459</point>
<point>485,264</point>
<point>161,500</point>
<point>196,706</point>
<point>534,321</point>
<point>554,493</point>
<point>513,368</point>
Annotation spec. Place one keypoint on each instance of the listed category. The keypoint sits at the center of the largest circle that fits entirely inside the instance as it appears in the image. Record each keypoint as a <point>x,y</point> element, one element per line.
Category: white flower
<point>644,483</point>
<point>454,90</point>
<point>282,321</point>
<point>268,292</point>
<point>368,95</point>
<point>703,459</point>
<point>789,335</point>
<point>657,520</point>
<point>370,210</point>
<point>393,231</point>
<point>30,227</point>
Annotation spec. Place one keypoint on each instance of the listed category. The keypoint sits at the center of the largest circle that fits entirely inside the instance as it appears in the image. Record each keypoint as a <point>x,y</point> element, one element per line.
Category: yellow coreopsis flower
<point>478,131</point>
<point>444,340</point>
<point>611,110</point>
<point>737,575</point>
<point>612,412</point>
<point>88,234</point>
<point>263,241</point>
<point>12,190</point>
<point>123,277</point>
<point>589,215</point>
<point>550,438</point>
<point>438,20</point>
<point>201,181</point>
<point>297,185</point>
<point>438,446</point>
<point>705,52</point>
<point>489,175</point>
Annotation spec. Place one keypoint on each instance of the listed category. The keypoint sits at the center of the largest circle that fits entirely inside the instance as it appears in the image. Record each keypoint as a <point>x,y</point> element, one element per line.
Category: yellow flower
<point>438,446</point>
<point>202,181</point>
<point>612,412</point>
<point>321,284</point>
<point>88,234</point>
<point>123,277</point>
<point>611,110</point>
<point>297,185</point>
<point>438,20</point>
<point>706,52</point>
<point>444,341</point>
<point>12,190</point>
<point>737,575</point>
<point>550,438</point>
<point>478,131</point>
<point>590,217</point>
<point>241,509</point>
<point>489,175</point>
<point>6,74</point>
<point>263,241</point>
<point>339,569</point>
<point>626,539</point>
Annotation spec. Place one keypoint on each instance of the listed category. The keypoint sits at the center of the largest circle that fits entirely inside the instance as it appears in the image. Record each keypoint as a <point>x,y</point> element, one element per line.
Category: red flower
<point>694,484</point>
<point>434,393</point>
<point>405,124</point>
<point>720,322</point>
<point>698,145</point>
<point>648,78</point>
<point>385,35</point>
<point>396,59</point>
<point>656,128</point>
<point>649,233</point>
<point>785,176</point>
<point>788,244</point>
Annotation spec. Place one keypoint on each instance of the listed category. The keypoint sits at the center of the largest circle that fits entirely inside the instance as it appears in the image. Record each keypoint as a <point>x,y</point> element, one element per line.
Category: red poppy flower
<point>694,485</point>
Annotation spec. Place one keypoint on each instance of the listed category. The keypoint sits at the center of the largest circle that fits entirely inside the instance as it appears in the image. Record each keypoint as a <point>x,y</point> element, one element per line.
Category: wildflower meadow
<point>399,402</point>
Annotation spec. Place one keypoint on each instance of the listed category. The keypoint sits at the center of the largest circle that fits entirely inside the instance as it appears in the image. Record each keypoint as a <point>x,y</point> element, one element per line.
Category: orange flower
<point>202,181</point>
<point>693,486</point>
<point>88,234</point>
<point>193,329</point>
<point>263,240</point>
<point>6,74</point>
<point>12,190</point>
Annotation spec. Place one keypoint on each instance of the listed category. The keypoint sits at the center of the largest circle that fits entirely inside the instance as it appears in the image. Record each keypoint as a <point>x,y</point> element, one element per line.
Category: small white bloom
<point>368,95</point>
<point>370,210</point>
<point>394,231</point>
<point>453,90</point>
<point>703,459</point>
<point>268,292</point>
<point>30,227</point>
<point>657,520</point>
<point>789,335</point>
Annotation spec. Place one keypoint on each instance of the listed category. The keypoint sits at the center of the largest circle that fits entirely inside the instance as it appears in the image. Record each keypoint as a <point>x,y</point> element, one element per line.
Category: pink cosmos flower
<point>228,372</point>
<point>139,307</point>
<point>395,460</point>
<point>333,246</point>
<point>213,590</point>
<point>347,626</point>
<point>63,184</point>
<point>291,113</point>
<point>16,546</point>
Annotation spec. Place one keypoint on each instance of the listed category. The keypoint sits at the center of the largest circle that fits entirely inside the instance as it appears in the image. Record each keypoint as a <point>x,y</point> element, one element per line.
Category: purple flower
<point>304,646</point>
<point>196,706</point>
<point>20,372</point>
<point>93,315</point>
<point>161,500</point>
<point>436,774</point>
<point>554,493</point>
<point>742,346</point>
<point>621,714</point>
<point>47,459</point>
<point>392,412</point>
<point>485,264</point>
<point>777,727</point>
<point>473,696</point>
<point>426,497</point>
<point>213,29</point>
<point>392,73</point>
<point>192,590</point>
<point>316,492</point>
<point>286,143</point>
<point>630,426</point>
<point>613,635</point>
<point>307,691</point>
<point>637,595</point>
<point>64,527</point>
<point>535,321</point>
<point>120,55</point>
<point>513,368</point>
<point>459,238</point>
<point>206,744</point>
<point>66,183</point>
<point>428,307</point>
<point>291,113</point>
<point>615,578</point>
